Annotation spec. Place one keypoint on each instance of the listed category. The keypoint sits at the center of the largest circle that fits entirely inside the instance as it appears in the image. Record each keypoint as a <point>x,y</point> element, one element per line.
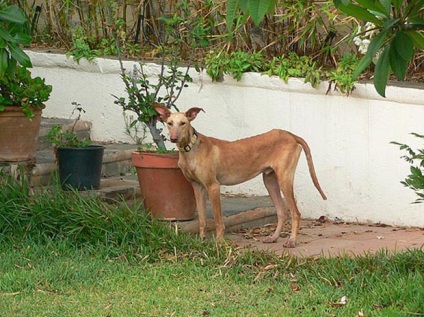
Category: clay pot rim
<point>19,108</point>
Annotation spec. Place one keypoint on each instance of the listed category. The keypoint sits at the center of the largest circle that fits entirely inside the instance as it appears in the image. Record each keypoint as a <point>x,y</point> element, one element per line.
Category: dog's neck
<point>188,144</point>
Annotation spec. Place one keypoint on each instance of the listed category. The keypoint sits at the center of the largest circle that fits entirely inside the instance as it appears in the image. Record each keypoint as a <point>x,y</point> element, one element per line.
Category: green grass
<point>66,254</point>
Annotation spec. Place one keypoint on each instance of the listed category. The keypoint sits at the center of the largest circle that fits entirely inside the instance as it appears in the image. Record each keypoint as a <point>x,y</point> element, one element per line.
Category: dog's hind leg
<point>285,174</point>
<point>273,188</point>
<point>288,193</point>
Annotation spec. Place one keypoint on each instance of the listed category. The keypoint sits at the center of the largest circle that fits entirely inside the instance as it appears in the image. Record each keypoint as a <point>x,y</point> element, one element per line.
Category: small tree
<point>142,93</point>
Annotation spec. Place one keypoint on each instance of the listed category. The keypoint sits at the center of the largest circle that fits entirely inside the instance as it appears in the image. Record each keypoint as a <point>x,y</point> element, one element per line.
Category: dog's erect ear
<point>191,113</point>
<point>163,111</point>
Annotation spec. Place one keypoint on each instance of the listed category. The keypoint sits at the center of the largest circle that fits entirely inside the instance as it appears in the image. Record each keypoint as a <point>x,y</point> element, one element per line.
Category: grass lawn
<point>62,254</point>
<point>56,279</point>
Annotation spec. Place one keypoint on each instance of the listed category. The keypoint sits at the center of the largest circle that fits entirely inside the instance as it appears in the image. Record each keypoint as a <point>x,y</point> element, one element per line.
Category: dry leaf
<point>295,287</point>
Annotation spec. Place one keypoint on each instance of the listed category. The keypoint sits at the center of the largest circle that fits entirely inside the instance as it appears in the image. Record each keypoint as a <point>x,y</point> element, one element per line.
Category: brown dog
<point>208,162</point>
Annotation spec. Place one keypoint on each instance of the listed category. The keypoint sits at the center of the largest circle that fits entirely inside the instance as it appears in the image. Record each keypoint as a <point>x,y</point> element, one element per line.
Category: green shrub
<point>415,180</point>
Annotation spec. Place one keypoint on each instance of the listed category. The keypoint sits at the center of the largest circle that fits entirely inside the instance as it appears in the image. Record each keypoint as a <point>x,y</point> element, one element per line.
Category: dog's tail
<point>307,151</point>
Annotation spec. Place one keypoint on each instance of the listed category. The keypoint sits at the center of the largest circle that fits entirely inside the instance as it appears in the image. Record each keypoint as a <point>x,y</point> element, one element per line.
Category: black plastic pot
<point>80,168</point>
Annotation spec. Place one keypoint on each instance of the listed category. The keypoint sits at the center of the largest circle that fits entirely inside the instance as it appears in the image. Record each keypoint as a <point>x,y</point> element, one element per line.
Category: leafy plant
<point>17,87</point>
<point>237,63</point>
<point>14,32</point>
<point>215,65</point>
<point>241,62</point>
<point>294,65</point>
<point>342,77</point>
<point>61,138</point>
<point>398,24</point>
<point>23,90</point>
<point>82,46</point>
<point>415,180</point>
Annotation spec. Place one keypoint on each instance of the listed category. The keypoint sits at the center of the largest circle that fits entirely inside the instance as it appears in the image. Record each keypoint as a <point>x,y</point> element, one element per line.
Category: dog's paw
<point>289,244</point>
<point>270,239</point>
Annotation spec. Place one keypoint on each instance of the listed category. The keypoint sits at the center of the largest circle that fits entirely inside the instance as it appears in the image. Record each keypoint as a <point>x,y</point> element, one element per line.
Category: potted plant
<point>166,192</point>
<point>22,97</point>
<point>157,168</point>
<point>79,161</point>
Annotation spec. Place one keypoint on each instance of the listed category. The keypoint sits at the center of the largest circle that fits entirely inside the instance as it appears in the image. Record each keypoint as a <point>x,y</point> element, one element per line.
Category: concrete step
<point>119,188</point>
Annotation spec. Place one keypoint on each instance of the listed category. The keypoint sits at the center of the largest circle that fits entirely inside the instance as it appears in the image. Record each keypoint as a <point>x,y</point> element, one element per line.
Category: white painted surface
<point>350,137</point>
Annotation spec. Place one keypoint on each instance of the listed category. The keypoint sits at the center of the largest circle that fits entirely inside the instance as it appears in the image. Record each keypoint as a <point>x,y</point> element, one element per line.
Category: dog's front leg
<point>200,195</point>
<point>215,199</point>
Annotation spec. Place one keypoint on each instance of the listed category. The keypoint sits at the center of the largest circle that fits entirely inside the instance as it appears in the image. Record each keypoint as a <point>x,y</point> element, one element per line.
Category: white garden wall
<point>350,137</point>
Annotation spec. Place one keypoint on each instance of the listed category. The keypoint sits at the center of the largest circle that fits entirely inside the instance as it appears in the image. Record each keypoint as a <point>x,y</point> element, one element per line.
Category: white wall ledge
<point>413,92</point>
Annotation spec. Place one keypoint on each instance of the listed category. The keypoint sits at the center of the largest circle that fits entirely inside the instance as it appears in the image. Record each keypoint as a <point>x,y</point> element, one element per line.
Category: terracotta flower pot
<point>165,190</point>
<point>18,134</point>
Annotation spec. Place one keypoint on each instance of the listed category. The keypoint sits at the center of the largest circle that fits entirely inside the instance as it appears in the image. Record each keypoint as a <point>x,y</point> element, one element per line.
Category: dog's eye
<point>169,123</point>
<point>182,123</point>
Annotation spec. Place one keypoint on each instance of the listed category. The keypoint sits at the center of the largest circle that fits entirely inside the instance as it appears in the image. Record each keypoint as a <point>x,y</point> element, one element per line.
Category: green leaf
<point>272,5</point>
<point>258,9</point>
<point>397,4</point>
<point>345,2</point>
<point>397,64</point>
<point>358,12</point>
<point>244,6</point>
<point>373,6</point>
<point>22,38</point>
<point>373,48</point>
<point>404,46</point>
<point>6,35</point>
<point>18,54</point>
<point>377,42</point>
<point>13,14</point>
<point>416,171</point>
<point>4,56</point>
<point>381,73</point>
<point>232,7</point>
<point>388,24</point>
<point>387,4</point>
<point>417,38</point>
<point>415,22</point>
<point>11,67</point>
<point>414,8</point>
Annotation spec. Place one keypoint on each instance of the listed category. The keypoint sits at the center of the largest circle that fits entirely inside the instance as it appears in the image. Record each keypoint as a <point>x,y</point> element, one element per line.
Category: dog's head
<point>178,123</point>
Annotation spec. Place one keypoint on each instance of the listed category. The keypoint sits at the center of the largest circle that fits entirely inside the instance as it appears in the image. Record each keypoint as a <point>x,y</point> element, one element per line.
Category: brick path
<point>332,238</point>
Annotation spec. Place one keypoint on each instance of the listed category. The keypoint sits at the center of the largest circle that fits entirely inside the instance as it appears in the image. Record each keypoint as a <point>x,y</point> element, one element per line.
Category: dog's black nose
<point>174,140</point>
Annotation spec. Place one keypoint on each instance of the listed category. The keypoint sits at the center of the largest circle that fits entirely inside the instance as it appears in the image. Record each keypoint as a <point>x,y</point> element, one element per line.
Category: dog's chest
<point>189,166</point>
